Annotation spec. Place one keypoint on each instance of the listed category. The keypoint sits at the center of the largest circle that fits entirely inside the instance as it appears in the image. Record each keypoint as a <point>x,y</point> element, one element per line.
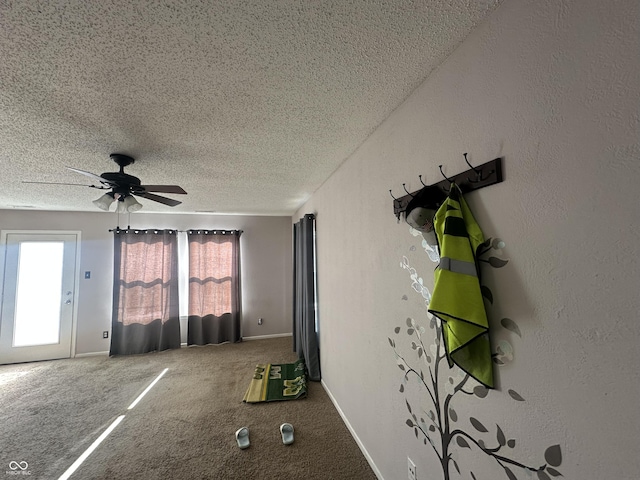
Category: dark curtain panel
<point>305,335</point>
<point>145,292</point>
<point>214,287</point>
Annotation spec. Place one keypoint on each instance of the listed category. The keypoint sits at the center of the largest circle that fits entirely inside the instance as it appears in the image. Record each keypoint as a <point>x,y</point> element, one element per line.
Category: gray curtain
<point>214,287</point>
<point>145,292</point>
<point>305,335</point>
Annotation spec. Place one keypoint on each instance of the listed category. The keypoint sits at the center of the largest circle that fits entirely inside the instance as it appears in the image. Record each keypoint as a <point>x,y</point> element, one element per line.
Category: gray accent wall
<point>266,265</point>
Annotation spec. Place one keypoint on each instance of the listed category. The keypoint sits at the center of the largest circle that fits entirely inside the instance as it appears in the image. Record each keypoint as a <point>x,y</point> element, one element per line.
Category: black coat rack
<point>475,178</point>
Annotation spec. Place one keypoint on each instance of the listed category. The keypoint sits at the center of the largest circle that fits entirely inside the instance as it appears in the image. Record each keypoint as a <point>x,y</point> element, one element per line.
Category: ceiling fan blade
<point>157,198</point>
<point>73,184</point>
<point>164,189</point>
<point>91,175</point>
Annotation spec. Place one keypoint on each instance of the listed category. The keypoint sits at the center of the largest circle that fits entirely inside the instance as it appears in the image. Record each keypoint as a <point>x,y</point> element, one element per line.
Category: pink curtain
<point>214,286</point>
<point>145,294</point>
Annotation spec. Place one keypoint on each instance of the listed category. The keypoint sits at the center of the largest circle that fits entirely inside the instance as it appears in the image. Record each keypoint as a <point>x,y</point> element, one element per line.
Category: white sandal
<point>242,437</point>
<point>286,430</point>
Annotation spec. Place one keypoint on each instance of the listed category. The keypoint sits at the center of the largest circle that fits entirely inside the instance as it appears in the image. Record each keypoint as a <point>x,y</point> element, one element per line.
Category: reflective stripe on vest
<point>458,266</point>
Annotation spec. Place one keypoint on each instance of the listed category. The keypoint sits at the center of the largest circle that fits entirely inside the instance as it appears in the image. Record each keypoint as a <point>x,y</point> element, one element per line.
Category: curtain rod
<point>171,230</point>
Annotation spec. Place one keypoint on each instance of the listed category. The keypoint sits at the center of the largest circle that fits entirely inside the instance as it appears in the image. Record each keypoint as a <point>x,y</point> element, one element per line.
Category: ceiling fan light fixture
<point>128,205</point>
<point>104,202</point>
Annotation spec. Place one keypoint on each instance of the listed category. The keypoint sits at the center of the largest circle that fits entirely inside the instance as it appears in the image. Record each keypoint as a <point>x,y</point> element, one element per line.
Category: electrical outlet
<point>412,469</point>
<point>105,334</point>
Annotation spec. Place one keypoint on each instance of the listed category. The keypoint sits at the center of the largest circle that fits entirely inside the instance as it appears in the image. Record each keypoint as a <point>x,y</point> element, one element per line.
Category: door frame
<point>76,278</point>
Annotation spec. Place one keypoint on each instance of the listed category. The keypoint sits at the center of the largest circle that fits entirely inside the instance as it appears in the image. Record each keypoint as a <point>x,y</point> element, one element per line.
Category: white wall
<point>265,265</point>
<point>552,87</point>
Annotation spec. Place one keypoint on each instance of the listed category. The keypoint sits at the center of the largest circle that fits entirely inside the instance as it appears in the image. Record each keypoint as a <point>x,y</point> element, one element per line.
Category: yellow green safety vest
<point>457,299</point>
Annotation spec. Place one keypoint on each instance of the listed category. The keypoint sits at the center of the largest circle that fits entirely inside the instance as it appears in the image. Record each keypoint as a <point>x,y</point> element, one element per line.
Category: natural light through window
<point>38,296</point>
<point>71,470</point>
<point>135,402</point>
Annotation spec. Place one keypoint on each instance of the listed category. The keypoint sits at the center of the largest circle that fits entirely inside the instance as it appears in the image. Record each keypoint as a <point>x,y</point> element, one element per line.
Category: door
<point>38,295</point>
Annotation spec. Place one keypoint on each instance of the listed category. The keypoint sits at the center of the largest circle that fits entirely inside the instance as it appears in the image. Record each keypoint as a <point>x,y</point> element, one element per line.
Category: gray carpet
<point>51,412</point>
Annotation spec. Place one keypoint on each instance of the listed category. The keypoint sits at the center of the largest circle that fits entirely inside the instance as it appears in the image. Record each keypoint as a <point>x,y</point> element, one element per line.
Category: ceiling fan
<point>124,186</point>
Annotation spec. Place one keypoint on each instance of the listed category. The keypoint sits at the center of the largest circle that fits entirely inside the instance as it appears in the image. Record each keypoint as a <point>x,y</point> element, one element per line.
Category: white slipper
<point>242,437</point>
<point>286,429</point>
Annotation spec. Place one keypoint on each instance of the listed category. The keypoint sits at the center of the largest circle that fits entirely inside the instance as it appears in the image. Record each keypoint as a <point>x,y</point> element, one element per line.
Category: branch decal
<point>425,366</point>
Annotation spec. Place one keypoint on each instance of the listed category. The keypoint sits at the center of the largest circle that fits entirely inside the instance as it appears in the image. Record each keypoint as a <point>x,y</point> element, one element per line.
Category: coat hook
<point>477,172</point>
<point>408,192</point>
<point>420,177</point>
<point>446,178</point>
<point>392,195</point>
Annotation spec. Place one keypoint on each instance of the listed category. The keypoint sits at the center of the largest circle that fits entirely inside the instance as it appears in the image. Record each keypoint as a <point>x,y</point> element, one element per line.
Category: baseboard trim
<point>353,433</point>
<point>262,337</point>
<point>257,337</point>
<point>91,354</point>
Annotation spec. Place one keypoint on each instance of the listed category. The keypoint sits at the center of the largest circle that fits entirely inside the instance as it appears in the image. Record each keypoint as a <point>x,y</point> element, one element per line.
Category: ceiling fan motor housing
<point>123,184</point>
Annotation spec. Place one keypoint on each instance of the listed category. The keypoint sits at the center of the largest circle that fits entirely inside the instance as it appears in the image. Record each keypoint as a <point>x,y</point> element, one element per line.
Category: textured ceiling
<point>248,105</point>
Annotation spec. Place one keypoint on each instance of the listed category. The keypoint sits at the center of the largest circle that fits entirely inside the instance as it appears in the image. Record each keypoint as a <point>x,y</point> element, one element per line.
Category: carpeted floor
<point>51,412</point>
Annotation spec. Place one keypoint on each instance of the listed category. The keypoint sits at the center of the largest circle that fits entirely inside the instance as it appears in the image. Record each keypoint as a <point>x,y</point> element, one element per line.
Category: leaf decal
<point>516,396</point>
<point>404,297</point>
<point>409,423</point>
<point>481,391</point>
<point>453,415</point>
<point>401,388</point>
<point>473,476</point>
<point>511,443</point>
<point>500,436</point>
<point>462,442</point>
<point>497,262</point>
<point>486,293</point>
<point>409,322</point>
<point>432,415</point>
<point>410,331</point>
<point>397,329</point>
<point>415,430</point>
<point>510,474</point>
<point>400,366</point>
<point>554,472</point>
<point>511,325</point>
<point>553,455</point>
<point>477,425</point>
<point>432,428</point>
<point>456,465</point>
<point>497,361</point>
<point>408,406</point>
<point>420,352</point>
<point>543,476</point>
<point>484,244</point>
<point>390,341</point>
<point>481,443</point>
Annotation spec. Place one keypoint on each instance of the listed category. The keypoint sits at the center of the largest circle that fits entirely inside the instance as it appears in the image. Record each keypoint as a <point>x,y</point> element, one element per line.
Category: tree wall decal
<point>427,366</point>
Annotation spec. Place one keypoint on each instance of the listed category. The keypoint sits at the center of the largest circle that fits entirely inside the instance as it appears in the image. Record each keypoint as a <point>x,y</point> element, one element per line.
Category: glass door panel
<point>39,278</point>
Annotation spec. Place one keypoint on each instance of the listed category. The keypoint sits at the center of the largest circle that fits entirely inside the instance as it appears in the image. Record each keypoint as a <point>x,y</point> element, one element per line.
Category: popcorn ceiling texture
<point>249,106</point>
